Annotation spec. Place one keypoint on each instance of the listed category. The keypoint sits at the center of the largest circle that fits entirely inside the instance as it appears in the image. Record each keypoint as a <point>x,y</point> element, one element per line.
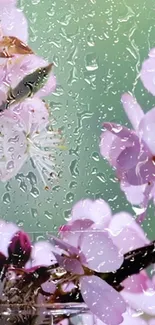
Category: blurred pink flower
<point>23,136</point>
<point>17,251</point>
<point>10,17</point>
<point>93,250</point>
<point>132,152</point>
<point>129,318</point>
<point>20,251</point>
<point>88,215</point>
<point>147,73</point>
<point>13,70</point>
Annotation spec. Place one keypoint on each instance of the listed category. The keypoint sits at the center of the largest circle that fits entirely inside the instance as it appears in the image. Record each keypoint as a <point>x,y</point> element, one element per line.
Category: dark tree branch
<point>134,262</point>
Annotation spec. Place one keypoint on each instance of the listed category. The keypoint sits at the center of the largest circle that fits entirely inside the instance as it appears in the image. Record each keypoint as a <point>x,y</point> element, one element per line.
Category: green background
<point>97,47</point>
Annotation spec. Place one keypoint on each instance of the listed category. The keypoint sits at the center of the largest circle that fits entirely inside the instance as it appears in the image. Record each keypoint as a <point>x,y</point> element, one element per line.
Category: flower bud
<point>19,249</point>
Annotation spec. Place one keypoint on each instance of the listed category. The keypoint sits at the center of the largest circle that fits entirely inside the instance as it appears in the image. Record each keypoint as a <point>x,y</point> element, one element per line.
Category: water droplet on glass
<point>101,177</point>
<point>67,215</point>
<point>95,156</point>
<point>91,62</point>
<point>35,2</point>
<point>59,91</point>
<point>20,223</point>
<point>69,197</point>
<point>34,192</point>
<point>32,178</point>
<point>6,198</point>
<point>90,41</point>
<point>73,185</point>
<point>48,215</point>
<point>34,212</point>
<point>23,186</point>
<point>10,165</point>
<point>73,168</point>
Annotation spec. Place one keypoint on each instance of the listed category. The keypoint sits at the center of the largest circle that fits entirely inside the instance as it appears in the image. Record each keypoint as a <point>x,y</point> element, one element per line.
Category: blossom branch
<point>134,262</point>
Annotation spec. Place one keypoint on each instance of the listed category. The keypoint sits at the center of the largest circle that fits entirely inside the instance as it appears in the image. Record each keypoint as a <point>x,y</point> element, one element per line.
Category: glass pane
<point>77,156</point>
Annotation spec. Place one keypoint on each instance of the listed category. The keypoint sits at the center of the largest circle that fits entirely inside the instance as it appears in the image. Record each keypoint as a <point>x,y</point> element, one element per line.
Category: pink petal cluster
<point>25,131</point>
<point>82,251</point>
<point>132,151</point>
<point>10,16</point>
<point>17,251</point>
<point>126,234</point>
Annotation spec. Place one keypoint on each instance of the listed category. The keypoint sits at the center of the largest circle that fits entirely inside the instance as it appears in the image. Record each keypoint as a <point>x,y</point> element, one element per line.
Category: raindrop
<point>94,171</point>
<point>95,156</point>
<point>69,197</point>
<point>20,223</point>
<point>48,215</point>
<point>65,20</point>
<point>56,188</point>
<point>56,60</point>
<point>34,192</point>
<point>34,212</point>
<point>59,91</point>
<point>101,177</point>
<point>73,168</point>
<point>90,41</point>
<point>35,2</point>
<point>6,198</point>
<point>67,215</point>
<point>23,186</point>
<point>8,186</point>
<point>38,224</point>
<point>10,165</point>
<point>32,178</point>
<point>91,62</point>
<point>72,57</point>
<point>73,185</point>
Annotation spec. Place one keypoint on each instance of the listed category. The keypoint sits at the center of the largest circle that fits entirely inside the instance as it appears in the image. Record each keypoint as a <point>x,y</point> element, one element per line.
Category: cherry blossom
<point>93,251</point>
<point>131,152</point>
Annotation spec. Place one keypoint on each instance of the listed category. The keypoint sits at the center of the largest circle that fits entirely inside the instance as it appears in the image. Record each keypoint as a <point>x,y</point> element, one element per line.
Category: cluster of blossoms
<point>77,265</point>
<point>25,78</point>
<point>97,259</point>
<point>132,151</point>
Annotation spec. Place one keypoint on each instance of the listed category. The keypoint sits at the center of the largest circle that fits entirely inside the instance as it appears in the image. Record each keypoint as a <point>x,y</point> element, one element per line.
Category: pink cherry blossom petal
<point>100,252</point>
<point>33,115</point>
<point>146,129</point>
<point>106,142</point>
<point>136,283</point>
<point>134,194</point>
<point>102,300</point>
<point>10,17</point>
<point>151,322</point>
<point>144,302</point>
<point>62,245</point>
<point>122,132</point>
<point>72,231</point>
<point>126,233</point>
<point>142,173</point>
<point>7,231</point>
<point>128,158</point>
<point>98,211</point>
<point>49,287</point>
<point>71,265</point>
<point>13,148</point>
<point>132,109</point>
<point>42,254</point>
<point>147,73</point>
<point>8,2</point>
<point>131,318</point>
